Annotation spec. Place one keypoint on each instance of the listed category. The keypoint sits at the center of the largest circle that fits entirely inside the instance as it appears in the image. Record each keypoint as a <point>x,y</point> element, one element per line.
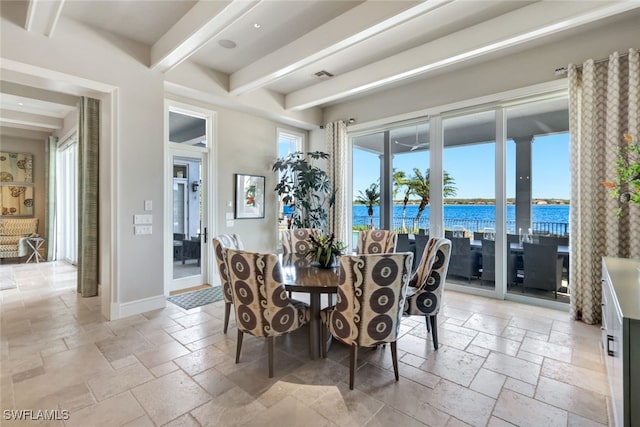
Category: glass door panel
<point>469,198</point>
<point>538,193</point>
<point>368,155</point>
<point>187,217</point>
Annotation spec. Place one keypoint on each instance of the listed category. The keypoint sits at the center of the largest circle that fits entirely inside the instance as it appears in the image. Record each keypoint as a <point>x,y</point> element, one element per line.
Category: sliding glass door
<point>501,185</point>
<point>67,201</point>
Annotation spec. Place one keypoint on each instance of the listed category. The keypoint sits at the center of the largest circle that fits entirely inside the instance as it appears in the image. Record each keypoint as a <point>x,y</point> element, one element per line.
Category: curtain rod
<point>347,122</point>
<point>563,71</point>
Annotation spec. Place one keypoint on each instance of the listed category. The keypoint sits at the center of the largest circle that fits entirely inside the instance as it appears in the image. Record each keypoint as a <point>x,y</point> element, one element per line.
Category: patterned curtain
<point>50,196</point>
<point>88,144</point>
<point>336,133</point>
<point>604,104</point>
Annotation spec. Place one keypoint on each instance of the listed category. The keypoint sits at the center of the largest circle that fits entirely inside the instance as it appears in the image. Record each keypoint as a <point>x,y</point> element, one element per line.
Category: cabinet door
<point>612,345</point>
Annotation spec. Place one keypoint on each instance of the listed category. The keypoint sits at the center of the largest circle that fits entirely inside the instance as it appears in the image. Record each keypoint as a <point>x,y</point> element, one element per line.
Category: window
<point>288,142</point>
<point>505,172</point>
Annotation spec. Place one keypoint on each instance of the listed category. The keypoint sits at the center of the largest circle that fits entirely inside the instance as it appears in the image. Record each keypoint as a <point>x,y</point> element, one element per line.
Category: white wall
<point>526,68</point>
<point>243,143</point>
<point>138,142</point>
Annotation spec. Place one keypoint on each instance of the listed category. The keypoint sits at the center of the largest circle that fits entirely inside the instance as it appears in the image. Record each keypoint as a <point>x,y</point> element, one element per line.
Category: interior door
<point>187,194</point>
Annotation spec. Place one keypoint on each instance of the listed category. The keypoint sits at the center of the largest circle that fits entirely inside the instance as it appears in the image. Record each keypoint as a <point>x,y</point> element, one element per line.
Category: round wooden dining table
<point>300,275</point>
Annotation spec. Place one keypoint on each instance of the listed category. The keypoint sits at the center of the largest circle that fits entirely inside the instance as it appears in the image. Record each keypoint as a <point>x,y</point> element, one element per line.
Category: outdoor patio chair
<point>488,274</point>
<point>369,304</point>
<point>220,243</point>
<point>421,244</point>
<point>403,244</point>
<point>464,262</point>
<point>260,300</point>
<point>542,268</point>
<point>424,294</point>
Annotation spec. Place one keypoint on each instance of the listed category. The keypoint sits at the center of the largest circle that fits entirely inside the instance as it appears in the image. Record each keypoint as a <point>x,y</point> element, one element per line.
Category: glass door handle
<point>205,234</point>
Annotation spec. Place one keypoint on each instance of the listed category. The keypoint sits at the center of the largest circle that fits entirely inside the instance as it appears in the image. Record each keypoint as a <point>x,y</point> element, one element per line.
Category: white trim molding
<point>131,308</point>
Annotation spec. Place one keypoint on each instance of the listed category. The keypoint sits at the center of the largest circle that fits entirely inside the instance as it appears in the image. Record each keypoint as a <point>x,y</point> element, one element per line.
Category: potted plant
<point>305,188</point>
<point>324,250</point>
<point>626,187</point>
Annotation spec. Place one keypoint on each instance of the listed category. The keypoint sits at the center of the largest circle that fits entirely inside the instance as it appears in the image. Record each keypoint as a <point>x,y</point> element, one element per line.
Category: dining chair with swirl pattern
<point>220,243</point>
<point>377,242</point>
<point>424,293</point>
<point>369,304</point>
<point>260,299</point>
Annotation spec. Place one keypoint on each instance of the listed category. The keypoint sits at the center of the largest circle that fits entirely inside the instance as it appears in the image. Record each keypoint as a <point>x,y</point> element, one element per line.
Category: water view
<point>545,218</point>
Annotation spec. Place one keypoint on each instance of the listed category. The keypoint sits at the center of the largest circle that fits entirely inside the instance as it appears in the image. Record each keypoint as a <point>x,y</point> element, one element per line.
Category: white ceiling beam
<point>353,26</point>
<point>201,23</point>
<point>42,16</point>
<point>12,117</point>
<point>523,25</point>
<point>30,92</point>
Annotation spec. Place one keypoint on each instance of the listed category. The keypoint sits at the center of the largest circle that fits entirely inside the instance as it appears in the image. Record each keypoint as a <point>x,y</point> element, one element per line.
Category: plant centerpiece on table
<point>305,188</point>
<point>324,249</point>
<point>626,187</point>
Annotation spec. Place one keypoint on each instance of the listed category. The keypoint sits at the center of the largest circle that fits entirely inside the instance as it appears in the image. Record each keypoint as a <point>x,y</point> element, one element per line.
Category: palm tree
<point>400,181</point>
<point>421,186</point>
<point>370,197</point>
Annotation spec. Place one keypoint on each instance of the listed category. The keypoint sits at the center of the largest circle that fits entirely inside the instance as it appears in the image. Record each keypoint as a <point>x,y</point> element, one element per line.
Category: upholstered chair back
<point>427,283</point>
<point>424,295</point>
<point>296,241</point>
<point>260,300</point>
<point>370,298</point>
<point>221,242</point>
<point>377,242</point>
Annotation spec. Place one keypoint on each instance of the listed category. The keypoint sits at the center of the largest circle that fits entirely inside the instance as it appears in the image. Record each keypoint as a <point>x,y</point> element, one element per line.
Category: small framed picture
<point>249,196</point>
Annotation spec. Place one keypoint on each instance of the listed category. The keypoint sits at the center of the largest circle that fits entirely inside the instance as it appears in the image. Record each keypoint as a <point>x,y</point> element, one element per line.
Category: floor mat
<point>197,298</point>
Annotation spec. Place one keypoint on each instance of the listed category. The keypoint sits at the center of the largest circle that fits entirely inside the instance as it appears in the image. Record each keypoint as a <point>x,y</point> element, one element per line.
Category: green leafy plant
<point>305,188</point>
<point>626,187</point>
<point>324,248</point>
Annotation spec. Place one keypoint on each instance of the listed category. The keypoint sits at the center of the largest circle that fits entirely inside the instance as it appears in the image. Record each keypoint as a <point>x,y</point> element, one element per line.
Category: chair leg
<point>352,365</point>
<point>227,313</point>
<point>426,320</point>
<point>270,341</point>
<point>239,346</point>
<point>394,356</point>
<point>323,341</point>
<point>434,330</point>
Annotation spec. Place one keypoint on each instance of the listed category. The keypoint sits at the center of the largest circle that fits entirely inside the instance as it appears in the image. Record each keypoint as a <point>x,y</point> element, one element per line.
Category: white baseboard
<point>126,309</point>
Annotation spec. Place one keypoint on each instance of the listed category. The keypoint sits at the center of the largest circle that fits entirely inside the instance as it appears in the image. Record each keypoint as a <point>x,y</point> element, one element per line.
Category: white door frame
<point>205,155</point>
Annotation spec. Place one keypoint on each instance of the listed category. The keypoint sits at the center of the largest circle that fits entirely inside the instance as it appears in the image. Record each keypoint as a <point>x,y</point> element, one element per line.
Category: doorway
<point>188,210</point>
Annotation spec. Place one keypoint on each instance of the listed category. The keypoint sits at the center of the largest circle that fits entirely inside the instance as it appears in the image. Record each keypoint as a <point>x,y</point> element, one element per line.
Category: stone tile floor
<point>499,364</point>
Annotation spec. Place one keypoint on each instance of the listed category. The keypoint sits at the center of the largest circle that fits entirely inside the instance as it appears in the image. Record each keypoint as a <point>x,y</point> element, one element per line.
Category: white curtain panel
<point>603,105</point>
<point>337,144</point>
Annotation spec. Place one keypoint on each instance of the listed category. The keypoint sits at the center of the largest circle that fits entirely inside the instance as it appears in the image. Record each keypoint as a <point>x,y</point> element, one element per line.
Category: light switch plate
<point>143,229</point>
<point>142,219</point>
<point>148,205</point>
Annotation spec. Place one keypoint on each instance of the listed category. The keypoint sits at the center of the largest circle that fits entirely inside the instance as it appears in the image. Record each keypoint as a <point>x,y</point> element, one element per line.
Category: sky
<point>472,168</point>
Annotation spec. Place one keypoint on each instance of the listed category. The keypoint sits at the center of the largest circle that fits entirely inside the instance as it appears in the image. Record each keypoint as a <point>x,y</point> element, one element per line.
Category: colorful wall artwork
<point>16,184</point>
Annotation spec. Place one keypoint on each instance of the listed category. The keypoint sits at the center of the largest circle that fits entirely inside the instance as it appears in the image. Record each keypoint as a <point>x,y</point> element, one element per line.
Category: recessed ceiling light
<point>227,44</point>
<point>21,103</point>
<point>256,25</point>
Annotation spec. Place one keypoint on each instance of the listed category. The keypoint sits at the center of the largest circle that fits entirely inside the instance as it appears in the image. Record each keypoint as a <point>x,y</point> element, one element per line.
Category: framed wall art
<point>16,200</point>
<point>249,196</point>
<point>16,167</point>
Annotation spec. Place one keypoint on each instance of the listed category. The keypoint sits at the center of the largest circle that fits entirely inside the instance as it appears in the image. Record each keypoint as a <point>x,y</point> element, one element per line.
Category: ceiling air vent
<point>323,75</point>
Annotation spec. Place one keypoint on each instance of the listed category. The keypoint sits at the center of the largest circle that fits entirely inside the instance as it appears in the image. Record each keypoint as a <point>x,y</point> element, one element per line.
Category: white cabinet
<point>621,337</point>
